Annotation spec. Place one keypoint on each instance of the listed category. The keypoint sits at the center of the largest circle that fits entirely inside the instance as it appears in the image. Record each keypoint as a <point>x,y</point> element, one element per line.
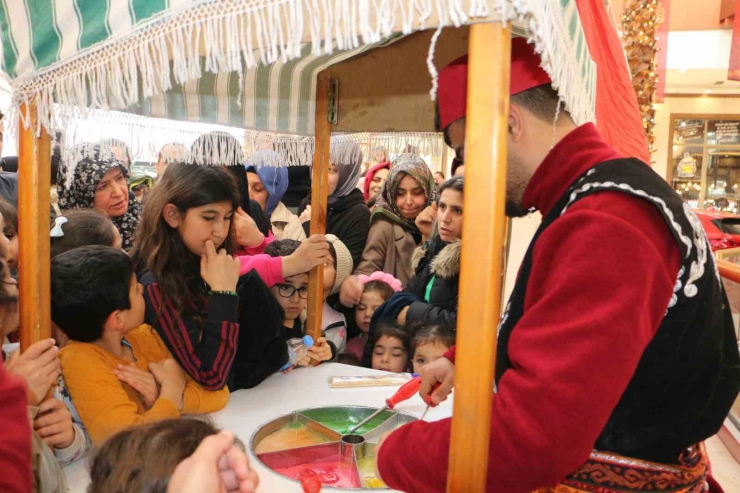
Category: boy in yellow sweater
<point>118,371</point>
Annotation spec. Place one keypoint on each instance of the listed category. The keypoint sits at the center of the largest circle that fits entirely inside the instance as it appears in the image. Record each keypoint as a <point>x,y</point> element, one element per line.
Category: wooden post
<point>319,200</point>
<point>34,182</point>
<point>482,255</point>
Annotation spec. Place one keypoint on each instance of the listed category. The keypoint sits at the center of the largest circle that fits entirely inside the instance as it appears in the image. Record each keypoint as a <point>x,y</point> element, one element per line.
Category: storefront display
<point>704,165</point>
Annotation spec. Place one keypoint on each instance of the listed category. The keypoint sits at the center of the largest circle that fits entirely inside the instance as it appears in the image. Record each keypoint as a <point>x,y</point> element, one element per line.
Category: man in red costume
<point>616,352</point>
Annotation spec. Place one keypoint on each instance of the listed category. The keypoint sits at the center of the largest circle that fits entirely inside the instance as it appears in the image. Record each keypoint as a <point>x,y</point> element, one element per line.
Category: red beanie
<point>452,92</point>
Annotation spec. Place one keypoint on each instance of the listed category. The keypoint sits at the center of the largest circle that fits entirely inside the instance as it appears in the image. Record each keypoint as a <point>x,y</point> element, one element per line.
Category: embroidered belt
<point>611,473</point>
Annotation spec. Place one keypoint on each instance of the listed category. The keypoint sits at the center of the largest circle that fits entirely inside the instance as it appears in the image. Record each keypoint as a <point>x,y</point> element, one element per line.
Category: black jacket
<point>349,220</point>
<point>440,260</point>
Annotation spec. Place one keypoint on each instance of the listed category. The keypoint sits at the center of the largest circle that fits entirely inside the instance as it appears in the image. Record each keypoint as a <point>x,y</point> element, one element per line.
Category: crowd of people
<point>163,306</point>
<point>616,357</point>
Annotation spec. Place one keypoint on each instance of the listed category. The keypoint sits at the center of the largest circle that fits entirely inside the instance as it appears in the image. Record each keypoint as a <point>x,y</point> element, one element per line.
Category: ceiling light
<point>708,91</point>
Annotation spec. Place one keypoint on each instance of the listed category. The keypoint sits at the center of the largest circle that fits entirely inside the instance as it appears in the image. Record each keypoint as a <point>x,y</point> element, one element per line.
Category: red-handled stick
<point>405,393</point>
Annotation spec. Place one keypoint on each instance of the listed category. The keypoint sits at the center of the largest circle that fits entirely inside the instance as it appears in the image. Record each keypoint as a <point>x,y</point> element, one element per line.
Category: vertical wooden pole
<point>34,182</point>
<point>319,200</point>
<point>482,255</point>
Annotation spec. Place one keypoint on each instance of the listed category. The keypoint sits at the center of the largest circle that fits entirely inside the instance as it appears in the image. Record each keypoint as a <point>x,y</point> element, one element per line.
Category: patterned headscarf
<point>385,207</point>
<point>273,174</point>
<point>80,173</point>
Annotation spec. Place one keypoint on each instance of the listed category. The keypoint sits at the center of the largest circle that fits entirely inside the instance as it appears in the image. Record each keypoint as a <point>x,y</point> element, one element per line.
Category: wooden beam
<point>319,200</point>
<point>482,255</point>
<point>34,182</point>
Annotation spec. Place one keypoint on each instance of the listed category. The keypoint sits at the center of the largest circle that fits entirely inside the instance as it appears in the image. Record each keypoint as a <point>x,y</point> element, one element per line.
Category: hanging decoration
<point>640,23</point>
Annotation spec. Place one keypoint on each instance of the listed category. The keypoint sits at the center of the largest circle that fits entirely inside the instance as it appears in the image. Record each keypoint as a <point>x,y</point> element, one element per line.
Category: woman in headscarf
<point>347,216</point>
<point>374,181</point>
<point>268,182</point>
<point>93,178</point>
<point>223,149</point>
<point>394,234</point>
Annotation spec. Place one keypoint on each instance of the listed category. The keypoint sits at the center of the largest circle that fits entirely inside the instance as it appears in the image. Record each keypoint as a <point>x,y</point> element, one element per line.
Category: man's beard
<point>516,184</point>
<point>514,209</point>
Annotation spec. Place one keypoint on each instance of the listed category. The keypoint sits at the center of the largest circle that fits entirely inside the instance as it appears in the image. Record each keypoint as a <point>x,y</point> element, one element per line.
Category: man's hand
<point>141,381</point>
<point>442,372</point>
<point>216,466</point>
<point>54,424</point>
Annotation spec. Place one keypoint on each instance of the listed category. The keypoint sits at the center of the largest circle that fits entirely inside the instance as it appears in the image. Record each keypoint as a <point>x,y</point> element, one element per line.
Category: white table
<point>281,394</point>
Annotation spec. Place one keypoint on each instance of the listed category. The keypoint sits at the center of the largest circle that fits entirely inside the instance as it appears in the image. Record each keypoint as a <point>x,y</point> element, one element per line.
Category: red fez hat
<point>452,94</point>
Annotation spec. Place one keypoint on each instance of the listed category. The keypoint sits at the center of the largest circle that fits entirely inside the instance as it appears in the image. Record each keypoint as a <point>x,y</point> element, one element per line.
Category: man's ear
<point>171,215</point>
<point>516,123</point>
<point>116,321</point>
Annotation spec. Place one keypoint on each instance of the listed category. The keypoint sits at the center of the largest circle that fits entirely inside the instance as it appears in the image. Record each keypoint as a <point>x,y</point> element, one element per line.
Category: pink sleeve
<point>259,248</point>
<point>270,269</point>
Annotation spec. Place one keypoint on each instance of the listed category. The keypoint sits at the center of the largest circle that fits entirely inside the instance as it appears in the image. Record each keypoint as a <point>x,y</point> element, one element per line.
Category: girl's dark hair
<point>158,247</point>
<point>455,183</point>
<point>84,227</point>
<point>431,334</point>
<point>383,289</point>
<point>387,329</point>
<point>10,218</point>
<point>142,458</point>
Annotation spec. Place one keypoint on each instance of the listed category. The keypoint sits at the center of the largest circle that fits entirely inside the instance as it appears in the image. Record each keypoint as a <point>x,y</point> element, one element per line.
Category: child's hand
<point>350,293</point>
<point>171,380</point>
<point>219,270</point>
<point>305,361</point>
<point>320,351</point>
<point>246,232</point>
<point>141,381</point>
<point>312,252</point>
<point>305,215</point>
<point>54,424</point>
<point>425,220</point>
<point>39,366</point>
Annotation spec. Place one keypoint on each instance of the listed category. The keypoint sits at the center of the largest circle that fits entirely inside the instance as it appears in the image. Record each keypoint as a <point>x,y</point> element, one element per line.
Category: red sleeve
<point>15,436</point>
<point>594,301</point>
<point>270,269</point>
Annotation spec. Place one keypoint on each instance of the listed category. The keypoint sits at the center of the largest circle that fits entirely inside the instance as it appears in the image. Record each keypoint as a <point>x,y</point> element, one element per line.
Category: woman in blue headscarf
<point>268,181</point>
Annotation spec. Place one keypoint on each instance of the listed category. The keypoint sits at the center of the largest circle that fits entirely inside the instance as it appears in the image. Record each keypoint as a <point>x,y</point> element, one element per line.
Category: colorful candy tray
<point>316,440</point>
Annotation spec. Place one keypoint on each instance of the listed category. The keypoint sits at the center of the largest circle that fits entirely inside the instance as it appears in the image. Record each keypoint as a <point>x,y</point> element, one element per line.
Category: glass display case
<point>704,161</point>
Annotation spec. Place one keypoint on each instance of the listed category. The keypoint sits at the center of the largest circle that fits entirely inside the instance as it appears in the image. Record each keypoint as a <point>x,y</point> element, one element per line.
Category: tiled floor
<point>724,467</point>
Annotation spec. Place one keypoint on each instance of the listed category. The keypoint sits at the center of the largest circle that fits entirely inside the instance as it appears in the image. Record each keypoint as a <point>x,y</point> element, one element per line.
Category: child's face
<point>13,252</point>
<point>4,242</point>
<point>369,302</point>
<point>330,276</point>
<point>134,316</point>
<point>200,224</point>
<point>292,295</point>
<point>10,314</point>
<point>427,353</point>
<point>390,355</point>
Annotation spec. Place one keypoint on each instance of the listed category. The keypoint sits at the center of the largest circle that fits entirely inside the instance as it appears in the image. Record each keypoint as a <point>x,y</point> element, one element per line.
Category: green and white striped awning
<point>246,63</point>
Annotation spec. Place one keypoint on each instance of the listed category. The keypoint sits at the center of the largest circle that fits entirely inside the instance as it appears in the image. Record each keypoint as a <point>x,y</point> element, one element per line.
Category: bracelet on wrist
<point>228,293</point>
